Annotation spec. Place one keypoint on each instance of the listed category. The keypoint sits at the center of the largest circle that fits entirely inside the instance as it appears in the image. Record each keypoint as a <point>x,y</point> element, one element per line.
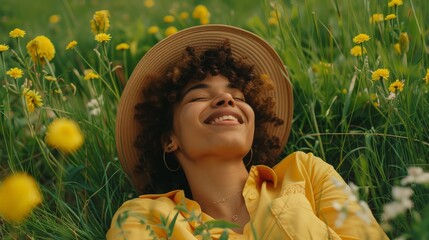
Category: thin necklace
<point>236,217</point>
<point>224,199</point>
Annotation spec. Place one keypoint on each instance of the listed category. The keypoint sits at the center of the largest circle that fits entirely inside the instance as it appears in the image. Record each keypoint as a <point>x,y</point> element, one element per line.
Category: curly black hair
<point>155,113</point>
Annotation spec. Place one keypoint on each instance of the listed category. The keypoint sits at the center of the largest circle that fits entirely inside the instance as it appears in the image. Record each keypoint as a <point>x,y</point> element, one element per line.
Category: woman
<point>201,122</point>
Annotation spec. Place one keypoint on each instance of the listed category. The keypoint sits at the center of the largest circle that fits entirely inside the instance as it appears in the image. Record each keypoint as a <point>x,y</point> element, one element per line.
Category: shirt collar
<point>262,173</point>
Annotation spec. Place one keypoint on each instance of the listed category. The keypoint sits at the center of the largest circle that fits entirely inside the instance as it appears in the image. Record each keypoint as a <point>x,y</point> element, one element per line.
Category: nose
<point>224,100</point>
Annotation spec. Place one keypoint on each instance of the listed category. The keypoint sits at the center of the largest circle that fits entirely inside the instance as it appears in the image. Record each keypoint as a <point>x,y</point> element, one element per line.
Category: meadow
<point>360,76</point>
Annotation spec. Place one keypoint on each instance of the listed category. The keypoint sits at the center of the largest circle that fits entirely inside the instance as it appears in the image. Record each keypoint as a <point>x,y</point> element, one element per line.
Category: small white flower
<point>391,96</point>
<point>353,188</point>
<point>93,103</point>
<point>337,183</point>
<point>423,178</point>
<point>342,212</point>
<point>416,175</point>
<point>340,219</point>
<point>364,213</point>
<point>391,210</point>
<point>95,112</point>
<point>407,180</point>
<point>337,206</point>
<point>364,216</point>
<point>415,171</point>
<point>400,193</point>
<point>407,203</point>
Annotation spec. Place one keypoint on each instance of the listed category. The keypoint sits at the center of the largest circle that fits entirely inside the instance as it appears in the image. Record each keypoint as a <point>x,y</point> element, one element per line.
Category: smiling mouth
<point>224,119</point>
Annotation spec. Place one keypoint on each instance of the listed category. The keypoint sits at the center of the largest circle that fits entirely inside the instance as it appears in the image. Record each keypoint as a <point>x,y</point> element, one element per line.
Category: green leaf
<point>121,218</point>
<point>172,223</point>
<point>224,235</point>
<point>214,224</point>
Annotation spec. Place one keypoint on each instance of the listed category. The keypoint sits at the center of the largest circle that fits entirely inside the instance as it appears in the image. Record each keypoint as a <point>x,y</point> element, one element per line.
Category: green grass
<point>334,117</point>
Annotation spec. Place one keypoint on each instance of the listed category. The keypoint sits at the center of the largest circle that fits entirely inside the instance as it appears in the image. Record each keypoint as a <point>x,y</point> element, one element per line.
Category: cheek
<point>248,111</point>
<point>185,118</point>
<point>251,115</point>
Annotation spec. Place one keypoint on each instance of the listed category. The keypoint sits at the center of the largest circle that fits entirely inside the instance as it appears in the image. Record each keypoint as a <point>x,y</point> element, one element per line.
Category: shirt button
<point>252,196</point>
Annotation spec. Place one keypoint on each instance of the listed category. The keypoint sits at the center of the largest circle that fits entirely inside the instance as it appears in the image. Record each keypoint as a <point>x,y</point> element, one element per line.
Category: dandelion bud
<point>404,42</point>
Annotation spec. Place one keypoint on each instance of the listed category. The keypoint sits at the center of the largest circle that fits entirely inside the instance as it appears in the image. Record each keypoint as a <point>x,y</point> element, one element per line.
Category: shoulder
<point>302,160</point>
<point>305,168</point>
<point>151,202</point>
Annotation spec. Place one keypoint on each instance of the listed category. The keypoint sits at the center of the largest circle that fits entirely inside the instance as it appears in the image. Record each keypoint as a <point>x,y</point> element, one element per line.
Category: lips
<point>224,117</point>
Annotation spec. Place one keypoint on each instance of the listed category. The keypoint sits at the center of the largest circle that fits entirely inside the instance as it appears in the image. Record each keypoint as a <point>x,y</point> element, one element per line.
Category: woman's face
<point>212,119</point>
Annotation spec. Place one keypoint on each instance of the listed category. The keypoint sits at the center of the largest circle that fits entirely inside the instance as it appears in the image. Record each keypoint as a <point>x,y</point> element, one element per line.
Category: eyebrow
<point>203,86</point>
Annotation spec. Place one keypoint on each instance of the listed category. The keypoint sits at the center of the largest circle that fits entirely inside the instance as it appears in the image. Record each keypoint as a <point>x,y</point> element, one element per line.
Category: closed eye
<point>198,99</point>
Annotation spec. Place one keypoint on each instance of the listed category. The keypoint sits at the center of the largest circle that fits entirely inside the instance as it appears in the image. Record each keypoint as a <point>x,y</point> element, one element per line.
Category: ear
<point>168,143</point>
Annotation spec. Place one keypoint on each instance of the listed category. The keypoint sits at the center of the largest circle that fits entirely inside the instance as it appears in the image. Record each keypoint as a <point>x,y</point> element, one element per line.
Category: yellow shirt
<point>293,200</point>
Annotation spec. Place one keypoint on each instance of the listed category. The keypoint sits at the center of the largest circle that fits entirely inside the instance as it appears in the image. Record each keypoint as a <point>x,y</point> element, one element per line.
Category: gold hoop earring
<point>165,163</point>
<point>251,157</point>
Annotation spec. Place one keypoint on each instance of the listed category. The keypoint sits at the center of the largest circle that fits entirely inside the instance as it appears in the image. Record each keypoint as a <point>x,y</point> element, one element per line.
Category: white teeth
<point>223,118</point>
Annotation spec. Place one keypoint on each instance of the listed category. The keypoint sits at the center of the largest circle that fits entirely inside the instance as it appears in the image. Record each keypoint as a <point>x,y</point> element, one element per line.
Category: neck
<point>217,186</point>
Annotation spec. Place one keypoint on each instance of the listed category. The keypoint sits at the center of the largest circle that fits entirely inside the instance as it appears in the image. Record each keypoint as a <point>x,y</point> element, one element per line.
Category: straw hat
<point>168,51</point>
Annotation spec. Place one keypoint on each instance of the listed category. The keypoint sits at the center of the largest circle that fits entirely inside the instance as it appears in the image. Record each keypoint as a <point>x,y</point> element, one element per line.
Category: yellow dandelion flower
<point>149,3</point>
<point>89,75</point>
<point>54,18</point>
<point>390,17</point>
<point>273,21</point>
<point>376,104</point>
<point>404,41</point>
<point>395,3</point>
<point>357,51</point>
<point>376,17</point>
<point>100,22</point>
<point>380,74</point>
<point>3,47</point>
<point>184,15</point>
<point>360,38</point>
<point>275,14</point>
<point>19,195</point>
<point>102,37</point>
<point>205,20</point>
<point>17,33</point>
<point>41,48</point>
<point>170,31</point>
<point>373,96</point>
<point>15,73</point>
<point>396,86</point>
<point>321,67</point>
<point>65,135</point>
<point>153,30</point>
<point>50,78</point>
<point>344,91</point>
<point>32,99</point>
<point>71,45</point>
<point>122,46</point>
<point>426,78</point>
<point>200,11</point>
<point>397,48</point>
<point>168,18</point>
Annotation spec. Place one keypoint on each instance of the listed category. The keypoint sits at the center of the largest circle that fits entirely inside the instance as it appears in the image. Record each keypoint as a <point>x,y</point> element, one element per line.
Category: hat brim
<point>168,51</point>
